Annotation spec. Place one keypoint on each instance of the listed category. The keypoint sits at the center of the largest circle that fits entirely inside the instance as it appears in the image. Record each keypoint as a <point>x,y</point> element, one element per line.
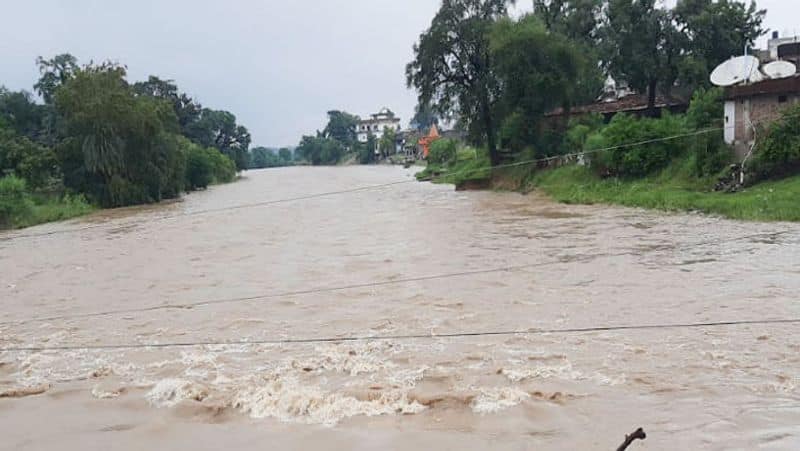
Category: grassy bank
<point>767,201</point>
<point>672,189</point>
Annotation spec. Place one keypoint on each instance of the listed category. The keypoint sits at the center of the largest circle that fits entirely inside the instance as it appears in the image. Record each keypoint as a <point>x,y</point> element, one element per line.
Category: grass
<point>48,208</point>
<point>671,190</point>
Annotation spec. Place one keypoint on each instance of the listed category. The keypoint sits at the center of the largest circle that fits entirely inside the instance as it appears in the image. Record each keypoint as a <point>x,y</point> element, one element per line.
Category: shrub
<point>443,151</point>
<point>778,153</point>
<point>15,201</point>
<point>705,109</point>
<point>643,159</point>
<point>199,168</point>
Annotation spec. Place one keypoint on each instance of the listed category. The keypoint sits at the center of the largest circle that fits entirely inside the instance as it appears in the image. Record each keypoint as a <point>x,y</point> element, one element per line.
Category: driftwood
<point>637,435</point>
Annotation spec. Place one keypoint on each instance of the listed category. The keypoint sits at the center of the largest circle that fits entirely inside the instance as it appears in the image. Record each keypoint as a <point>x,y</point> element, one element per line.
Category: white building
<point>376,124</point>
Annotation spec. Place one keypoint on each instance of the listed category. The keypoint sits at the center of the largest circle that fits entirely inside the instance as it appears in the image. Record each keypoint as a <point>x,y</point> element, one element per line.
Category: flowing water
<point>732,387</point>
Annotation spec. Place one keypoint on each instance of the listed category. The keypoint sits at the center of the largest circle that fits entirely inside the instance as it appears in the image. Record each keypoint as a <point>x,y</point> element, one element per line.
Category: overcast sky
<point>279,65</point>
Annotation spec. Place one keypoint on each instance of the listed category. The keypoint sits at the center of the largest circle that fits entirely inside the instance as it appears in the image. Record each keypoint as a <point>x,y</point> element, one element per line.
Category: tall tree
<point>424,118</point>
<point>716,30</point>
<point>341,127</point>
<point>538,70</point>
<point>452,71</point>
<point>575,19</point>
<point>54,72</point>
<point>186,109</point>
<point>642,46</point>
<point>219,129</point>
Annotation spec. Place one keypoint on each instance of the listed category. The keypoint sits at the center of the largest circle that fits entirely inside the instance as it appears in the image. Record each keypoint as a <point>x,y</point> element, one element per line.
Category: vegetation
<point>98,140</point>
<point>261,157</point>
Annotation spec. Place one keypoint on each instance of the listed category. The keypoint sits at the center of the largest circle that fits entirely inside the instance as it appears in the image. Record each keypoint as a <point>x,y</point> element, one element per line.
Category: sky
<point>278,65</point>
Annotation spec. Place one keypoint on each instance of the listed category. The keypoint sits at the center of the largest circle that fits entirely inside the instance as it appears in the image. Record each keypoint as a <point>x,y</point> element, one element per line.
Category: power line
<point>284,294</point>
<point>373,187</point>
<point>288,341</point>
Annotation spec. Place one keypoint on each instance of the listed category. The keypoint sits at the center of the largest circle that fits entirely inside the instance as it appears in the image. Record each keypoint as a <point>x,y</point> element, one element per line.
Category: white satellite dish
<point>737,70</point>
<point>780,69</point>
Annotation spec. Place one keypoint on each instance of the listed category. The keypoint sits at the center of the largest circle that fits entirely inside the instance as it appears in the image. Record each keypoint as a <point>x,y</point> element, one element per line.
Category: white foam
<point>495,399</point>
<point>170,392</point>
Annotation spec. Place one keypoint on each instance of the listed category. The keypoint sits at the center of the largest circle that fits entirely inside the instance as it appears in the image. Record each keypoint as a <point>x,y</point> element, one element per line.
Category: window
<point>782,99</point>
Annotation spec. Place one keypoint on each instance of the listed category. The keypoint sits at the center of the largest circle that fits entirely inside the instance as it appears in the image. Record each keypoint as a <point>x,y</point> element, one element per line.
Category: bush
<point>643,159</point>
<point>711,154</point>
<point>15,201</point>
<point>443,151</point>
<point>205,166</point>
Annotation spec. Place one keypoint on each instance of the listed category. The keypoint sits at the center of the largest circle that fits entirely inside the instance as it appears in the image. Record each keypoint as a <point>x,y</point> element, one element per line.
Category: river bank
<point>672,189</point>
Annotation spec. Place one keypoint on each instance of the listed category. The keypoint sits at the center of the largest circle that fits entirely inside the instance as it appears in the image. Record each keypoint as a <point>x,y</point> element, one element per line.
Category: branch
<point>637,435</point>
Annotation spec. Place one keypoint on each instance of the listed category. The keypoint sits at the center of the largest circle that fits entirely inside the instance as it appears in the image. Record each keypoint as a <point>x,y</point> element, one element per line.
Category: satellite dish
<point>780,69</point>
<point>737,70</point>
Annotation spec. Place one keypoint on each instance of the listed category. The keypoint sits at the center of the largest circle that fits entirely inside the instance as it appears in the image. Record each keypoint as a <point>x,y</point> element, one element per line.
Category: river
<point>366,263</point>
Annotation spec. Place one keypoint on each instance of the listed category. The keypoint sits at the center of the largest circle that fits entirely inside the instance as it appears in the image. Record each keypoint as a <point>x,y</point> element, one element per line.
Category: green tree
<point>219,129</point>
<point>186,109</point>
<point>451,69</point>
<point>21,157</point>
<point>21,112</point>
<point>285,155</point>
<point>341,127</point>
<point>387,144</point>
<point>319,150</point>
<point>538,70</point>
<point>642,46</point>
<point>716,30</point>
<point>54,72</point>
<point>575,19</point>
<point>424,118</point>
<point>120,148</point>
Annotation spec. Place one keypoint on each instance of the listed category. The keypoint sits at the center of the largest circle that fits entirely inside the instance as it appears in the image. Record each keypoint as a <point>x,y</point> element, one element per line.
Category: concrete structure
<point>376,124</point>
<point>787,49</point>
<point>756,103</point>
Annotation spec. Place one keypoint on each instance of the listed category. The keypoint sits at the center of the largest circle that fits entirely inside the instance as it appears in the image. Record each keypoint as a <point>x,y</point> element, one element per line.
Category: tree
<point>186,109</point>
<point>575,19</point>
<point>21,112</point>
<point>387,144</point>
<point>716,30</point>
<point>424,118</point>
<point>120,149</point>
<point>341,127</point>
<point>538,70</point>
<point>642,46</point>
<point>319,150</point>
<point>219,129</point>
<point>54,73</point>
<point>451,69</point>
<point>285,156</point>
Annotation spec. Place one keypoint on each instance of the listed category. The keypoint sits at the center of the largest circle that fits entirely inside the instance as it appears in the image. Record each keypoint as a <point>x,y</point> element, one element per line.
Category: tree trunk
<point>491,140</point>
<point>651,98</point>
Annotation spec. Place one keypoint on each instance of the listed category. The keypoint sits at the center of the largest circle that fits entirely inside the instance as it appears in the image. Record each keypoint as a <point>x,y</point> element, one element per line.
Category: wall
<point>756,110</point>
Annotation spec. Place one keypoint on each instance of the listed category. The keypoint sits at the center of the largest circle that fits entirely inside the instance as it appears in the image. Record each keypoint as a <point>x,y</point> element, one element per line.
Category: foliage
<point>424,118</point>
<point>443,151</point>
<point>219,129</point>
<point>641,45</point>
<point>715,31</point>
<point>769,201</point>
<point>643,159</point>
<point>778,152</point>
<point>55,72</point>
<point>24,158</point>
<point>319,150</point>
<point>341,127</point>
<point>451,70</point>
<point>706,109</point>
<point>366,153</point>
<point>186,109</point>
<point>21,113</point>
<point>387,143</point>
<point>120,148</point>
<point>538,70</point>
<point>15,201</point>
<point>261,157</point>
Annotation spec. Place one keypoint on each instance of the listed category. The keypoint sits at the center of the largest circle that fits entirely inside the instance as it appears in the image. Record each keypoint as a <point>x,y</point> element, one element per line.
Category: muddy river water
<point>565,267</point>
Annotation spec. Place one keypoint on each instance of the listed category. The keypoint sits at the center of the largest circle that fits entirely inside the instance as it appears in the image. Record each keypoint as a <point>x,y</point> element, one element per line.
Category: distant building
<point>635,104</point>
<point>376,124</point>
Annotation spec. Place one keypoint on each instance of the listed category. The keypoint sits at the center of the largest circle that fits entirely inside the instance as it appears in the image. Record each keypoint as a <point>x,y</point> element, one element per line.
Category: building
<point>376,124</point>
<point>635,104</point>
<point>756,103</point>
<point>761,102</point>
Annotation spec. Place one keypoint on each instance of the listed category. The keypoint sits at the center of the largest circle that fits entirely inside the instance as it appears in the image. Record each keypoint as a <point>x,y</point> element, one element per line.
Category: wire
<point>372,187</point>
<point>261,297</point>
<point>287,341</point>
<point>285,294</point>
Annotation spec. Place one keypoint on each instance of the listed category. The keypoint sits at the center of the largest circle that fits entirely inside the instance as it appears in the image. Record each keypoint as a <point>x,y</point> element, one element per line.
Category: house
<point>756,103</point>
<point>760,102</point>
<point>635,104</point>
<point>376,124</point>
